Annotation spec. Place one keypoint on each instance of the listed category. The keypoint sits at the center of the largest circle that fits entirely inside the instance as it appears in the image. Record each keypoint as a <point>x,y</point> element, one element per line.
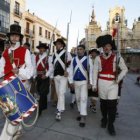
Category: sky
<point>59,10</point>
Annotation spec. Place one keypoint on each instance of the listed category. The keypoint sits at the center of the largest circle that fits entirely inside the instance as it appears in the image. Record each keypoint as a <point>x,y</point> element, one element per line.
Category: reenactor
<point>105,72</point>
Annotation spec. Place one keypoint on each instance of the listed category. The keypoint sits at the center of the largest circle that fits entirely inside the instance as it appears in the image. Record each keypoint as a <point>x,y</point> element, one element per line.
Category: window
<point>27,27</point>
<point>40,31</point>
<point>49,35</point>
<point>27,40</point>
<point>4,21</point>
<point>46,33</point>
<point>15,22</point>
<point>33,44</point>
<point>33,29</point>
<point>53,36</point>
<point>17,7</point>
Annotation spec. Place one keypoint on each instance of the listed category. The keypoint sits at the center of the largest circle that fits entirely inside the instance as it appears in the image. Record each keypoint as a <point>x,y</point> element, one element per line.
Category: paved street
<point>127,125</point>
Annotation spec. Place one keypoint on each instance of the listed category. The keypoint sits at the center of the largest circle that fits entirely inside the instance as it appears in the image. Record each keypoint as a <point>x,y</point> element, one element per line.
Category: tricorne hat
<point>15,29</point>
<point>42,45</point>
<point>60,40</point>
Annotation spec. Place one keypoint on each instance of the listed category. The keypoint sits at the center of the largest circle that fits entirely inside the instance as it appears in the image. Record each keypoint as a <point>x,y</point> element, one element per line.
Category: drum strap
<point>11,56</point>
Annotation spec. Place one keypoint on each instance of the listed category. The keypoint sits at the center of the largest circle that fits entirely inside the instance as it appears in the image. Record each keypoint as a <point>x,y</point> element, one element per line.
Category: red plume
<point>114,32</point>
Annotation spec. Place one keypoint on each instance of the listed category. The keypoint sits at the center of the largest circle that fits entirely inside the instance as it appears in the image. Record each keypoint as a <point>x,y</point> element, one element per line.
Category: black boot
<point>112,107</point>
<point>82,122</point>
<point>111,130</point>
<point>103,107</point>
<point>78,118</point>
<point>103,123</point>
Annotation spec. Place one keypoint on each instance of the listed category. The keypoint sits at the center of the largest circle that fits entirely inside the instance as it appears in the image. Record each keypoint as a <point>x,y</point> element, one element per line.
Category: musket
<point>77,38</point>
<point>67,40</point>
<point>118,48</point>
<point>87,52</point>
<point>52,39</point>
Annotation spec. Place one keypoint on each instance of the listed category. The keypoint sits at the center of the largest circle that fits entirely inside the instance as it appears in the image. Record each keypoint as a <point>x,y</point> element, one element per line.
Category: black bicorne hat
<point>15,29</point>
<point>42,45</point>
<point>60,40</point>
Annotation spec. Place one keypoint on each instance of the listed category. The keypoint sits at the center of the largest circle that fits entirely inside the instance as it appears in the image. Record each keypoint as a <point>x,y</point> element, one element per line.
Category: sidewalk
<point>127,125</point>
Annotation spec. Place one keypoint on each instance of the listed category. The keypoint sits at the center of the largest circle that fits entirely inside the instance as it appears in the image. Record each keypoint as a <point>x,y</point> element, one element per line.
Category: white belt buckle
<point>108,76</point>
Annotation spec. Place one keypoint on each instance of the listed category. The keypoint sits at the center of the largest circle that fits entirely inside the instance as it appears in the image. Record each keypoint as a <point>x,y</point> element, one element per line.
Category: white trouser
<point>11,129</point>
<point>61,86</point>
<point>81,92</point>
<point>108,90</point>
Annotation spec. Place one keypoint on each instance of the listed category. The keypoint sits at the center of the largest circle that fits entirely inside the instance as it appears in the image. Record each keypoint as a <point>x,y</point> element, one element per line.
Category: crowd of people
<point>88,74</point>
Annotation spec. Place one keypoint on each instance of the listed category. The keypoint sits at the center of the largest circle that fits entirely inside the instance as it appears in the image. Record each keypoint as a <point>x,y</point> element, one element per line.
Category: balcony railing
<point>29,32</point>
<point>17,13</point>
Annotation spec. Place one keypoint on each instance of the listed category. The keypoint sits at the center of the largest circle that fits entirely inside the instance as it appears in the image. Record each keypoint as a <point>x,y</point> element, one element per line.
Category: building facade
<point>92,31</point>
<point>128,38</point>
<point>17,9</point>
<point>117,20</point>
<point>38,30</point>
<point>34,29</point>
<point>4,21</point>
<point>136,34</point>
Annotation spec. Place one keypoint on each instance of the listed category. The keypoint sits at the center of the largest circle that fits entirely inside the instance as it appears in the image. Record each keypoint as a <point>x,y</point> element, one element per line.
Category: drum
<point>16,102</point>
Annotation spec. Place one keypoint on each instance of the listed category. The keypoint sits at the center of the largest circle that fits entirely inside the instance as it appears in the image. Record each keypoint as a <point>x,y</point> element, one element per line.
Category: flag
<point>114,32</point>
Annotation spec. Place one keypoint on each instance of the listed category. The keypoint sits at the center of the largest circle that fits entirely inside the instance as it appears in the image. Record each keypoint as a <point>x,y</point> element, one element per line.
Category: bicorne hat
<point>42,45</point>
<point>15,29</point>
<point>60,41</point>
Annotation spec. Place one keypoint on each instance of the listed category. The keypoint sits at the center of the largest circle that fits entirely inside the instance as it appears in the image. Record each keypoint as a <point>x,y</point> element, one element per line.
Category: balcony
<point>29,33</point>
<point>17,13</point>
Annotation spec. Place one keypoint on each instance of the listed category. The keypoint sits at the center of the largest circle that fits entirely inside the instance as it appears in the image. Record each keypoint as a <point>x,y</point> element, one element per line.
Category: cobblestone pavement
<point>127,125</point>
